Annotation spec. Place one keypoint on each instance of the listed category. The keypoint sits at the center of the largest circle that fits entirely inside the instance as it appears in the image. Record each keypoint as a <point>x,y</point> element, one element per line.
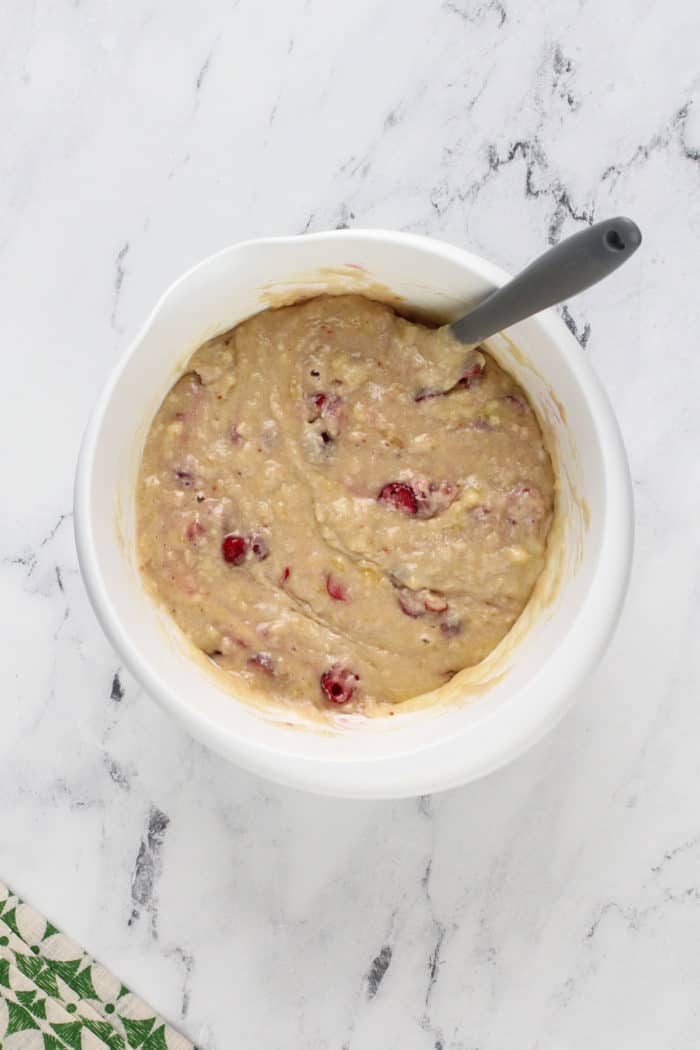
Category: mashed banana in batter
<point>341,507</point>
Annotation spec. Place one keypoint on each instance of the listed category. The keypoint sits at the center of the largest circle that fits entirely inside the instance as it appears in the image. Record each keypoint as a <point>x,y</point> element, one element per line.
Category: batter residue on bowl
<point>341,507</point>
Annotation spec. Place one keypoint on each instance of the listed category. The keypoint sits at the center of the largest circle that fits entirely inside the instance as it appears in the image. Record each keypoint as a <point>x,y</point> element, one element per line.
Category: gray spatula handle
<point>563,271</point>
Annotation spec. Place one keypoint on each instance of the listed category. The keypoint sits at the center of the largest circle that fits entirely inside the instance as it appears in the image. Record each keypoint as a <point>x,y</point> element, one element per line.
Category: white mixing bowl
<point>485,716</point>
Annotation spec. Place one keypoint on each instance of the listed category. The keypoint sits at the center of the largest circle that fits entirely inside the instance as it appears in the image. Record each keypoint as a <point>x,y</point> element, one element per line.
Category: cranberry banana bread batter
<point>341,507</point>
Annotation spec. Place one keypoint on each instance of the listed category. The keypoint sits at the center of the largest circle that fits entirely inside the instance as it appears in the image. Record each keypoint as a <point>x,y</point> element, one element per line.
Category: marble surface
<point>555,904</point>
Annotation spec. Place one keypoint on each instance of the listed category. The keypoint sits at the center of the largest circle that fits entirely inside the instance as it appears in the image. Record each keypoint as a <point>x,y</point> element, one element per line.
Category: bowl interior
<point>484,716</point>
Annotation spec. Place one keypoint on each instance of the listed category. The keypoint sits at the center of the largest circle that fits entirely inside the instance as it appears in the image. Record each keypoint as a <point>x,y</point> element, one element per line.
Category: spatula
<point>565,270</point>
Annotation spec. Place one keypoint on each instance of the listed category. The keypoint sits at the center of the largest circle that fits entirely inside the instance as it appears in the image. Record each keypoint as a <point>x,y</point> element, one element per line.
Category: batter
<point>341,507</point>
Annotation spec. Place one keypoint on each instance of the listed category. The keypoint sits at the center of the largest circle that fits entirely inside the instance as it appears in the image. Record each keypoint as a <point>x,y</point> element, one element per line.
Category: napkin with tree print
<point>55,997</point>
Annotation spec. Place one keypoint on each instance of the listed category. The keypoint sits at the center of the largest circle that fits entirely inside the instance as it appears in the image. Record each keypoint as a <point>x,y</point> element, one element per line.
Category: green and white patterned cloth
<point>55,997</point>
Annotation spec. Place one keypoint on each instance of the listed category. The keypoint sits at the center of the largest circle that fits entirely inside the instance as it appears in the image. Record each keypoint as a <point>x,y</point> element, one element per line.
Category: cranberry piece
<point>451,626</point>
<point>194,529</point>
<point>234,549</point>
<point>262,661</point>
<point>399,496</point>
<point>435,603</point>
<point>336,590</point>
<point>185,478</point>
<point>339,683</point>
<point>432,497</point>
<point>410,602</point>
<point>418,603</point>
<point>323,406</point>
<point>259,547</point>
<point>285,575</point>
<point>427,392</point>
<point>470,377</point>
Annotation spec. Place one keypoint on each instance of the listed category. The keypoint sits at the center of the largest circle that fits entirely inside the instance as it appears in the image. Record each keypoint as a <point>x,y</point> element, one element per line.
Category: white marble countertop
<point>555,904</point>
